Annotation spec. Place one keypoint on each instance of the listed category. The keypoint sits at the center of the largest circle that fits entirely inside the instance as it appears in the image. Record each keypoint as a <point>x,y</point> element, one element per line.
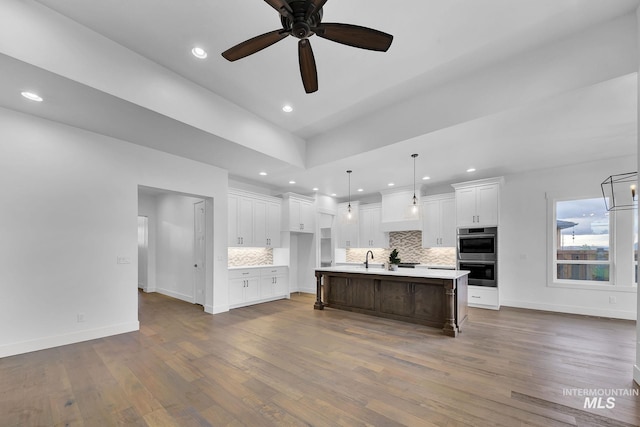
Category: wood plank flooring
<point>283,363</point>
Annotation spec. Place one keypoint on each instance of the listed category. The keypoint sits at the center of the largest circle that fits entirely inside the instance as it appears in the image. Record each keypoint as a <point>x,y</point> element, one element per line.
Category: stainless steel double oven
<point>478,252</point>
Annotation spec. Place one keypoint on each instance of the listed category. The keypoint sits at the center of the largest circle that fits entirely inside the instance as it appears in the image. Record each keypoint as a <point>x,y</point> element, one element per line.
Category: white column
<point>636,368</point>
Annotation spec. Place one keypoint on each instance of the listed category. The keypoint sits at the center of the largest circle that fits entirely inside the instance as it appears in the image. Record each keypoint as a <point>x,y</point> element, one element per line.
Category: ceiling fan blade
<point>313,6</point>
<point>308,69</point>
<point>254,45</point>
<point>282,7</point>
<point>354,35</point>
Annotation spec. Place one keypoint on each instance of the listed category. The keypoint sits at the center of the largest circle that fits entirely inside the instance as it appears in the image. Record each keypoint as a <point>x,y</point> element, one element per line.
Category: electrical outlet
<point>123,260</point>
<point>613,300</point>
<point>80,317</point>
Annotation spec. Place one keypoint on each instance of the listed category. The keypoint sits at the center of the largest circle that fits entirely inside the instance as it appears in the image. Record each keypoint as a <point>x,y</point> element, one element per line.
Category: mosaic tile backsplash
<point>409,246</point>
<point>239,257</point>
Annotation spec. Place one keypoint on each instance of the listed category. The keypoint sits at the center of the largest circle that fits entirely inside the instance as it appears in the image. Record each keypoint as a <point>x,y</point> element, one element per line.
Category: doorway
<point>179,245</point>
<point>326,246</point>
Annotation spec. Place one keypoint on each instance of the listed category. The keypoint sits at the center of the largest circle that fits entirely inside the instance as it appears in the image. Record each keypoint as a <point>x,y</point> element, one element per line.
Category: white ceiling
<point>500,85</point>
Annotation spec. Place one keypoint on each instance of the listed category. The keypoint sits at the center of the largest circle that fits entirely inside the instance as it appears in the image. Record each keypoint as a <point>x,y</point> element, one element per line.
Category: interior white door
<point>143,251</point>
<point>199,254</point>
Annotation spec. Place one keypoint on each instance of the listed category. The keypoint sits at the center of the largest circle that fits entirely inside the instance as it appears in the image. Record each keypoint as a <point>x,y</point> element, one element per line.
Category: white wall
<point>69,210</point>
<point>523,238</point>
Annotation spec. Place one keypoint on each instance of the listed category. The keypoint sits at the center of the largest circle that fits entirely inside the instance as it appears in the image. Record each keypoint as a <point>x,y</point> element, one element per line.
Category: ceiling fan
<point>302,19</point>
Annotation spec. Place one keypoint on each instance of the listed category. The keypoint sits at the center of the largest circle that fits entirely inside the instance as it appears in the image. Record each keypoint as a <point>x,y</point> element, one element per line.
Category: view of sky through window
<point>583,224</point>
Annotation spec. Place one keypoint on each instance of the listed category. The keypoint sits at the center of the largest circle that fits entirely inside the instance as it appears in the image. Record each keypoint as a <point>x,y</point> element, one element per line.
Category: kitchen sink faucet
<point>366,259</point>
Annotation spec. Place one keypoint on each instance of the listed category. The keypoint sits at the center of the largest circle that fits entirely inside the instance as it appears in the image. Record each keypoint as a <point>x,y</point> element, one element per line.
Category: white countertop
<point>402,272</point>
<point>245,267</point>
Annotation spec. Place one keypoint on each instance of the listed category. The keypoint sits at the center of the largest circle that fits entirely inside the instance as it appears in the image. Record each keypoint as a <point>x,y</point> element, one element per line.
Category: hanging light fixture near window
<point>616,190</point>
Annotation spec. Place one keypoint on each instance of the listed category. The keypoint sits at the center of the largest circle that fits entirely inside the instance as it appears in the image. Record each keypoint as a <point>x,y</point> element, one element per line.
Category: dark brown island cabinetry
<point>428,297</point>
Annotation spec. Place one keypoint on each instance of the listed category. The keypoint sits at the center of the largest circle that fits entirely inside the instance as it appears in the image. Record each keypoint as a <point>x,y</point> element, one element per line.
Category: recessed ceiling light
<point>292,182</point>
<point>391,184</point>
<point>360,190</point>
<point>425,178</point>
<point>471,170</point>
<point>32,96</point>
<point>315,189</point>
<point>263,174</point>
<point>333,194</point>
<point>287,108</point>
<point>199,52</point>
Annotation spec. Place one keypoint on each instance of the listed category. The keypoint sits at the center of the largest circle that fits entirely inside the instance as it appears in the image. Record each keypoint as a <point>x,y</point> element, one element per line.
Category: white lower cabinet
<point>484,297</point>
<point>243,286</point>
<point>259,284</point>
<point>273,282</point>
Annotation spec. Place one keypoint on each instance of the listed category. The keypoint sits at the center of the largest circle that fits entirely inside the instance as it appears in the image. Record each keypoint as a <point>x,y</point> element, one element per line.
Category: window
<point>590,247</point>
<point>583,249</point>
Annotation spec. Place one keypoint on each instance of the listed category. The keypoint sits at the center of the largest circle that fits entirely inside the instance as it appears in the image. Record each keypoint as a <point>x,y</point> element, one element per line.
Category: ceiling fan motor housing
<point>299,26</point>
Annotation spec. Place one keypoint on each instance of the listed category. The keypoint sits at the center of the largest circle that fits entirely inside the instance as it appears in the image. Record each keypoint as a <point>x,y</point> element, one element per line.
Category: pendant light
<point>415,207</point>
<point>349,215</point>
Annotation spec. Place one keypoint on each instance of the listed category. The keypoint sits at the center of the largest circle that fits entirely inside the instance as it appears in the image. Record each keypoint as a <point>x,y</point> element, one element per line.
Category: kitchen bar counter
<point>436,298</point>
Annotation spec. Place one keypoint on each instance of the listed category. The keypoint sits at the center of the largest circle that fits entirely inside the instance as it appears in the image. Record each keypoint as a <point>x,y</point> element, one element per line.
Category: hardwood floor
<point>284,363</point>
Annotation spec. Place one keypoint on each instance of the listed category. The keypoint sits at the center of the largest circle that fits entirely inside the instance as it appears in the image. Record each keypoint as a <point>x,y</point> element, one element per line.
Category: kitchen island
<point>436,298</point>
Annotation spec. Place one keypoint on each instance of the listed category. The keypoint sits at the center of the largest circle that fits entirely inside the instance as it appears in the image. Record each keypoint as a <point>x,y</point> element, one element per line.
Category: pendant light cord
<point>349,206</point>
<point>415,200</point>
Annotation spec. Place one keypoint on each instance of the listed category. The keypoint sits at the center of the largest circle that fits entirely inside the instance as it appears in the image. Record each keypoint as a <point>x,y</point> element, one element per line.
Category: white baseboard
<point>586,311</point>
<point>306,290</point>
<point>65,339</point>
<point>176,295</point>
<point>217,309</point>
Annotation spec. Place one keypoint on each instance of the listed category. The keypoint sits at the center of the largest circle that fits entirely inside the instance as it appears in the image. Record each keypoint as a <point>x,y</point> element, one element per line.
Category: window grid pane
<point>593,272</point>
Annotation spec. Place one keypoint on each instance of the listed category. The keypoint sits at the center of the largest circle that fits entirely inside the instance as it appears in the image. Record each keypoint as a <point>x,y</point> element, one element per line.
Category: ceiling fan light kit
<point>302,19</point>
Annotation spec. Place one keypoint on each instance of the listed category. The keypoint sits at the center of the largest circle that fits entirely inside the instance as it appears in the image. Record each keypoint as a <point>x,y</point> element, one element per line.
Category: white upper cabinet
<point>266,220</point>
<point>438,221</point>
<point>477,203</point>
<point>254,220</point>
<point>347,228</point>
<point>371,235</point>
<point>240,221</point>
<point>299,213</point>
